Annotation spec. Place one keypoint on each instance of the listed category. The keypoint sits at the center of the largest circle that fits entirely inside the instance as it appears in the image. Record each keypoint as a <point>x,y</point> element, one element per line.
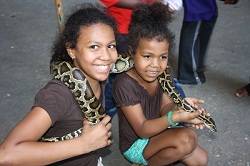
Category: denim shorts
<point>135,153</point>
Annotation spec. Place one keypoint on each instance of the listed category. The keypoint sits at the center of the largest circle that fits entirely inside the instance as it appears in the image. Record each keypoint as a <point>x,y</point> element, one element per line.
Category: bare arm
<point>143,127</point>
<point>146,128</point>
<point>21,147</point>
<point>167,105</point>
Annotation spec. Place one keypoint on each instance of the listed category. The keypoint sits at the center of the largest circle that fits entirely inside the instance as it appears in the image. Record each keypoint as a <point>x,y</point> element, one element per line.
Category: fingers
<point>198,126</point>
<point>109,142</point>
<point>203,111</point>
<point>194,100</point>
<point>193,115</point>
<point>109,138</point>
<point>200,109</point>
<point>196,103</point>
<point>105,120</point>
<point>104,124</point>
<point>185,116</point>
<point>109,134</point>
<point>99,135</point>
<point>108,126</point>
<point>201,101</point>
<point>196,121</point>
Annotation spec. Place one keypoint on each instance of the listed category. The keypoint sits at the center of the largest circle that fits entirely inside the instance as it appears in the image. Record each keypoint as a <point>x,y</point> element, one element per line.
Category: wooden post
<point>60,15</point>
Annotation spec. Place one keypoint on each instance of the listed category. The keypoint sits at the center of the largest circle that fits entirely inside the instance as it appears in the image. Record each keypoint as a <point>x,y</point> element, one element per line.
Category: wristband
<point>170,119</point>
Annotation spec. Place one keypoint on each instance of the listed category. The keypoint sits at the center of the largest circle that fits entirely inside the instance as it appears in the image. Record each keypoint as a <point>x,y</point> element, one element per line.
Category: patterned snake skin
<point>92,109</point>
<point>168,87</point>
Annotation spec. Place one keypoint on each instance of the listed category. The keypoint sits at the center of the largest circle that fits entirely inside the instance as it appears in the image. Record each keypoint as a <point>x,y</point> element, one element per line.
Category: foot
<point>243,91</point>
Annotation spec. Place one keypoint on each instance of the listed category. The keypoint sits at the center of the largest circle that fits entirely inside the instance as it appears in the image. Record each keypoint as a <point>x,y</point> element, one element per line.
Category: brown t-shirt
<point>66,117</point>
<point>127,91</point>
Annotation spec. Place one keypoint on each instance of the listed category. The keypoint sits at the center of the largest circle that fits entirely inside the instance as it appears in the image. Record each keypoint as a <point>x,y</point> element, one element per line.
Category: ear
<point>71,51</point>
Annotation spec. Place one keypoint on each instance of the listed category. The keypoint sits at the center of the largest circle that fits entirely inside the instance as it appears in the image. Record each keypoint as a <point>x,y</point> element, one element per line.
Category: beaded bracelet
<point>170,119</point>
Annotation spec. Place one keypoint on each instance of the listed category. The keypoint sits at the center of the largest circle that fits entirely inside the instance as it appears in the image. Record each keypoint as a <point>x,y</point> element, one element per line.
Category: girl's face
<point>151,58</point>
<point>95,51</point>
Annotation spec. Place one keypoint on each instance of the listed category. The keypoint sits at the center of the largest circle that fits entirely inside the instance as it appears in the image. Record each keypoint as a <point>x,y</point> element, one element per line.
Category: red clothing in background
<point>122,16</point>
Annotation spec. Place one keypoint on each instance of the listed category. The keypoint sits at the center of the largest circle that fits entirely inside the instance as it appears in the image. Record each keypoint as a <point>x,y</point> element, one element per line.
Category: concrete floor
<point>29,27</point>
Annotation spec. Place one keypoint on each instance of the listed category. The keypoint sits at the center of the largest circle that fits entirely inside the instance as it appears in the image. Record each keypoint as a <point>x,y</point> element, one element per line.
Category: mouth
<point>153,73</point>
<point>103,68</point>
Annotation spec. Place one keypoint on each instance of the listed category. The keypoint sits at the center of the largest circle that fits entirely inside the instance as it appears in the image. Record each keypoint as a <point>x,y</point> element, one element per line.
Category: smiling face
<point>95,51</point>
<point>151,57</point>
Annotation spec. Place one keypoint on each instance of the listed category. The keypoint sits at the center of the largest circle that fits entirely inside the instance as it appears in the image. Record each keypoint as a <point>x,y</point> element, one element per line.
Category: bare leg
<point>170,146</point>
<point>197,158</point>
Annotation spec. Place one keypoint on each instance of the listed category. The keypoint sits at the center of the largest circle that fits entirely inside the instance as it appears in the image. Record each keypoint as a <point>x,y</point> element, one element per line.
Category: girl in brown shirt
<point>87,42</point>
<point>145,112</point>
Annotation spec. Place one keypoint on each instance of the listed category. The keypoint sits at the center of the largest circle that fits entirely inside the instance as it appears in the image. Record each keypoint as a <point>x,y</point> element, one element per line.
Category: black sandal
<point>244,91</point>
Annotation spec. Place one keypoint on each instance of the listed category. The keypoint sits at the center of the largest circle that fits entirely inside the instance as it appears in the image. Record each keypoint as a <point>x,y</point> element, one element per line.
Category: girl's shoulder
<point>55,86</point>
<point>56,99</point>
<point>123,80</point>
<point>54,93</point>
<point>126,90</point>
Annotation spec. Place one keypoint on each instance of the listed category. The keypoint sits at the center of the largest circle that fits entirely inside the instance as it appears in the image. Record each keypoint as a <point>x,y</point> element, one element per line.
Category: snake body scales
<point>92,109</point>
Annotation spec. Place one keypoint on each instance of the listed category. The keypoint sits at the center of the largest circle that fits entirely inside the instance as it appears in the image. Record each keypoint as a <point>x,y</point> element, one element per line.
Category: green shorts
<point>135,153</point>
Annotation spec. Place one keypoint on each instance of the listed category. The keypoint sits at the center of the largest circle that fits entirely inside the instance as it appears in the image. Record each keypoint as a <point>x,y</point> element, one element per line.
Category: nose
<point>106,54</point>
<point>109,54</point>
<point>155,62</point>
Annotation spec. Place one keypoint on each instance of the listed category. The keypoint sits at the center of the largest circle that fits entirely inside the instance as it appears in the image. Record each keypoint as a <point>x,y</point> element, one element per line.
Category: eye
<point>164,57</point>
<point>146,56</point>
<point>94,47</point>
<point>112,46</point>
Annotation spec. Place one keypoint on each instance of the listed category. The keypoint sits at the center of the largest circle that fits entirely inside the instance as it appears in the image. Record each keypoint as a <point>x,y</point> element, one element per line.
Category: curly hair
<point>87,15</point>
<point>150,22</point>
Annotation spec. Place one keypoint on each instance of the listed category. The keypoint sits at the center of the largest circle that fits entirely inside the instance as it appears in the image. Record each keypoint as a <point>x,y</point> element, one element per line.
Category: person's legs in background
<point>206,30</point>
<point>194,41</point>
<point>189,53</point>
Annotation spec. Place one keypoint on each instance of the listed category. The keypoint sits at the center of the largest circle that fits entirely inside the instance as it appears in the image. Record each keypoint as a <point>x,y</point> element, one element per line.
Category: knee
<point>5,156</point>
<point>187,141</point>
<point>203,158</point>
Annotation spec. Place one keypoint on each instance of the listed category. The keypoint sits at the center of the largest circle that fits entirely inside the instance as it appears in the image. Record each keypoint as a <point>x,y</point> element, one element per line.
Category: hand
<point>194,102</point>
<point>188,117</point>
<point>174,5</point>
<point>191,118</point>
<point>97,136</point>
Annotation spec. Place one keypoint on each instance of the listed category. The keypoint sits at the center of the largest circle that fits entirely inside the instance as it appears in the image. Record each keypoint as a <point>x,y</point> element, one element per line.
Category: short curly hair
<point>150,22</point>
<point>87,15</point>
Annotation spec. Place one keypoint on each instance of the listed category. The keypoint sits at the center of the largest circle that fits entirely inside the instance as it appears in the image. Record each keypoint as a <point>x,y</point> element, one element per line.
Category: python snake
<point>93,111</point>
